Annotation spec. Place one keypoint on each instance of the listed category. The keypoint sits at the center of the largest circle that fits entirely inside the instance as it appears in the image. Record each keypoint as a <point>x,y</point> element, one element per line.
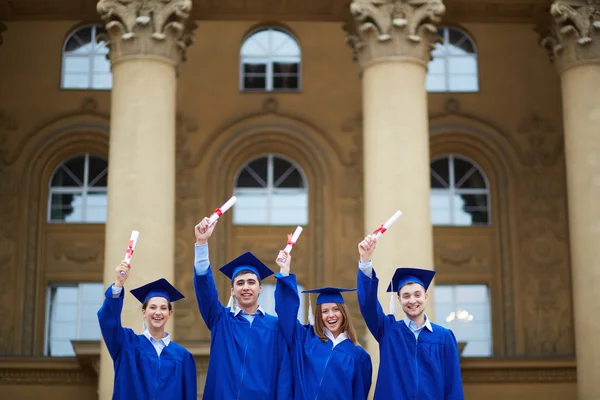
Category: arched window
<point>460,193</point>
<point>271,190</point>
<point>84,64</point>
<point>78,190</point>
<point>270,61</point>
<point>454,64</point>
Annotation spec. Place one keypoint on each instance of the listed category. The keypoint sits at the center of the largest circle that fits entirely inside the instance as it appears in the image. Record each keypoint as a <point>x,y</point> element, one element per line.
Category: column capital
<point>393,29</point>
<point>147,28</point>
<point>569,32</point>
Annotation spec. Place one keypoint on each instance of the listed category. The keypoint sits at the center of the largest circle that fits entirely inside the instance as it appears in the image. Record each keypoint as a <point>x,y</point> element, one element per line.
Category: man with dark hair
<point>249,358</point>
<point>418,359</point>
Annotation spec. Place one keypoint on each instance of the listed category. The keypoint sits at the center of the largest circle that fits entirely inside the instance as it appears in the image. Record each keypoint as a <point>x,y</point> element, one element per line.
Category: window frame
<point>83,190</point>
<point>89,56</point>
<point>452,191</point>
<point>268,57</point>
<point>270,190</point>
<point>445,57</point>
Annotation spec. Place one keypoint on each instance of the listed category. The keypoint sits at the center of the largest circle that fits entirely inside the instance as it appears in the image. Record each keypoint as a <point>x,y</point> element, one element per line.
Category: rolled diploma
<point>389,223</point>
<point>131,247</point>
<point>228,204</point>
<point>295,237</point>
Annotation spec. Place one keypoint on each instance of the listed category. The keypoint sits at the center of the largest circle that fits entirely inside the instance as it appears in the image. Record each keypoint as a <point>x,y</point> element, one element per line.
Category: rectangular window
<point>465,309</point>
<point>71,315</point>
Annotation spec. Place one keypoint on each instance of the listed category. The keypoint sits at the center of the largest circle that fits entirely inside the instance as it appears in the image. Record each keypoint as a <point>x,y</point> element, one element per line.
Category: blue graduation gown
<point>424,369</point>
<point>321,371</point>
<point>140,373</point>
<point>247,361</point>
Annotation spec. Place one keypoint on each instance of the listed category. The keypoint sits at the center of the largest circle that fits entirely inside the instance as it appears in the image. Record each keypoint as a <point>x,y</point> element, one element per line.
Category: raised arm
<point>287,302</point>
<point>452,374</point>
<point>367,284</point>
<point>109,315</point>
<point>204,283</point>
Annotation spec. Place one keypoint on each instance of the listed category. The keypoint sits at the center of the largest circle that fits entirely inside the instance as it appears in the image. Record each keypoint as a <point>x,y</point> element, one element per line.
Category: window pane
<point>289,208</point>
<point>437,66</point>
<point>255,45</point>
<point>61,348</point>
<point>255,67</point>
<point>285,82</point>
<point>247,180</point>
<point>280,167</point>
<point>285,68</point>
<point>101,64</point>
<point>292,180</point>
<point>467,315</point>
<point>66,207</point>
<point>441,171</point>
<point>92,292</point>
<point>76,80</point>
<point>440,208</point>
<point>463,83</point>
<point>435,83</point>
<point>251,209</point>
<point>260,167</point>
<point>62,178</point>
<point>467,175</point>
<point>77,167</point>
<point>76,64</point>
<point>462,65</point>
<point>98,170</point>
<point>470,209</point>
<point>96,207</point>
<point>255,82</point>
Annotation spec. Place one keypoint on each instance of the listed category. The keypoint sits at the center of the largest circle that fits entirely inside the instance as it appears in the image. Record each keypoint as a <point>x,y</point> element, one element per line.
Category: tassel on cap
<point>311,316</point>
<point>393,309</point>
<point>231,303</point>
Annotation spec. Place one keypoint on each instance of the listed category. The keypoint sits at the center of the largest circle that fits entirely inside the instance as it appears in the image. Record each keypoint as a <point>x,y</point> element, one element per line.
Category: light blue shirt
<point>160,344</point>
<point>367,269</point>
<point>201,266</point>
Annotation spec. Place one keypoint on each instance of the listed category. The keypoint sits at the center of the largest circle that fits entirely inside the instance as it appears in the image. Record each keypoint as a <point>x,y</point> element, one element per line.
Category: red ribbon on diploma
<point>218,212</point>
<point>380,229</point>
<point>129,251</point>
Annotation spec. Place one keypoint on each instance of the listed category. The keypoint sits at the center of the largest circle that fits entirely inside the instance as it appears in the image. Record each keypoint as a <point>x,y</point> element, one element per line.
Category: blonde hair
<point>346,325</point>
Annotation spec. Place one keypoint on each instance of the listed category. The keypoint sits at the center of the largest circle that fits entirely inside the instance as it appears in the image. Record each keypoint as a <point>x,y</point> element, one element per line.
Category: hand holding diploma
<point>292,239</point>
<point>221,210</point>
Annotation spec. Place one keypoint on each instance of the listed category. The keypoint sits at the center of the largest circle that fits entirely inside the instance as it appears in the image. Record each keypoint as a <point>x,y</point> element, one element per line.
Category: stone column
<point>147,41</point>
<point>572,42</point>
<point>392,41</point>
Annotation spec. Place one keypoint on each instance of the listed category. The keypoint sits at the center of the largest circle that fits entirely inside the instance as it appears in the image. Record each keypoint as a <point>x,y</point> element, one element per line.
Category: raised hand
<point>122,273</point>
<point>203,231</point>
<point>366,248</point>
<point>284,260</point>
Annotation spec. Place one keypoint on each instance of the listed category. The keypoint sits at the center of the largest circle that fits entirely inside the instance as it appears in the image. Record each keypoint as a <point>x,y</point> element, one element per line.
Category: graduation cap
<point>159,288</point>
<point>402,276</point>
<point>329,294</point>
<point>246,261</point>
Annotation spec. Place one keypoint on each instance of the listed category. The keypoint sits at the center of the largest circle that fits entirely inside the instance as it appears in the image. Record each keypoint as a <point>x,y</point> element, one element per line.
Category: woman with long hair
<point>328,362</point>
<point>150,365</point>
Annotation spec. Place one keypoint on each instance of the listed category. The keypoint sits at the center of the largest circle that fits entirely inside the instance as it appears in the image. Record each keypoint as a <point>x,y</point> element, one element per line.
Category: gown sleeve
<point>190,378</point>
<point>363,377</point>
<point>207,297</point>
<point>370,308</point>
<point>287,304</point>
<point>452,374</point>
<point>109,317</point>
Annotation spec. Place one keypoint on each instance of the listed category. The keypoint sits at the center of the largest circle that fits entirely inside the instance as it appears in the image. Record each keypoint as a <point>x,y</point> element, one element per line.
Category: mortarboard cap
<point>159,288</point>
<point>246,261</point>
<point>329,294</point>
<point>402,276</point>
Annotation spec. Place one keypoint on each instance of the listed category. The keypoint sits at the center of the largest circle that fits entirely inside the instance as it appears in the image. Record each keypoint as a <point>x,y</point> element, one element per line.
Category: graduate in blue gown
<point>418,359</point>
<point>150,365</point>
<point>328,363</point>
<point>249,359</point>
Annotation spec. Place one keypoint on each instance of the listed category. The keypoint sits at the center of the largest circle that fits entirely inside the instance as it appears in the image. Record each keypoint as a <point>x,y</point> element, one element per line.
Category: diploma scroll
<point>130,248</point>
<point>384,227</point>
<point>221,210</point>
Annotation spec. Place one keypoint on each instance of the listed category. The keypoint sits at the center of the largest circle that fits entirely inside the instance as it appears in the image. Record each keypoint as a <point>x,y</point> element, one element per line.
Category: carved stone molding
<point>569,33</point>
<point>545,144</point>
<point>393,29</point>
<point>517,370</point>
<point>2,29</point>
<point>147,28</point>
